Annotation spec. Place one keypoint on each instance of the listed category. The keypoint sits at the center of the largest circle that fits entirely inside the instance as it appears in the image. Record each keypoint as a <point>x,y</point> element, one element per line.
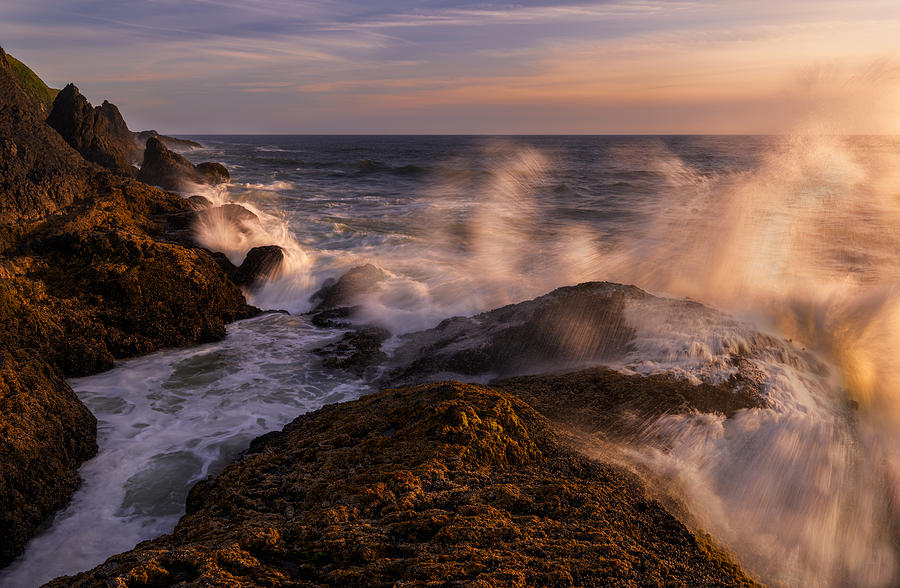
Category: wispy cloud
<point>319,63</point>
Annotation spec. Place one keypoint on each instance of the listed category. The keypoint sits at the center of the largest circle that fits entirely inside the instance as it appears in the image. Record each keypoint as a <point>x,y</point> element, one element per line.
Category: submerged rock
<point>99,134</point>
<point>356,351</point>
<point>172,171</point>
<point>445,483</point>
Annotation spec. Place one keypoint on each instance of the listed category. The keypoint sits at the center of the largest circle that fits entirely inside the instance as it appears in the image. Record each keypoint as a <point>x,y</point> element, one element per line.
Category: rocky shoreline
<point>434,482</point>
<point>87,277</point>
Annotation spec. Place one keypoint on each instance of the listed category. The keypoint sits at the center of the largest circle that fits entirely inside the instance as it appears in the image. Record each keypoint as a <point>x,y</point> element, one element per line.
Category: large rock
<point>260,264</point>
<point>172,171</point>
<point>45,434</point>
<point>99,134</point>
<point>568,327</point>
<point>83,281</point>
<point>444,484</point>
<point>39,173</point>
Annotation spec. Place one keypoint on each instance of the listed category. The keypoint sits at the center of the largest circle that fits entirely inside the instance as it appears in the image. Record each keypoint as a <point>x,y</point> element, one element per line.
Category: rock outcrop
<point>99,134</point>
<point>170,142</point>
<point>39,173</point>
<point>84,280</point>
<point>171,171</point>
<point>445,484</point>
<point>45,434</point>
<point>566,328</point>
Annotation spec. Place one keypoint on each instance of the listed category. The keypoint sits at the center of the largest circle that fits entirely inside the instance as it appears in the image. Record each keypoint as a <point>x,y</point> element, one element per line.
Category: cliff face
<point>443,483</point>
<point>99,134</point>
<point>39,172</point>
<point>84,280</point>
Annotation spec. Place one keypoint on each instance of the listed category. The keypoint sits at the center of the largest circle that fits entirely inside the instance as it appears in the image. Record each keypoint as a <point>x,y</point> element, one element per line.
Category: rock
<point>336,302</point>
<point>356,351</point>
<point>259,264</point>
<point>164,168</point>
<point>99,134</point>
<point>45,434</point>
<point>600,401</point>
<point>567,327</point>
<point>212,173</point>
<point>39,173</point>
<point>84,280</point>
<point>170,142</point>
<point>445,483</point>
<point>171,171</point>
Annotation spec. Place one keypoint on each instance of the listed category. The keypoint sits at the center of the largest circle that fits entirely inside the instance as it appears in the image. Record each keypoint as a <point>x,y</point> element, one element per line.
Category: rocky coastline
<point>429,481</point>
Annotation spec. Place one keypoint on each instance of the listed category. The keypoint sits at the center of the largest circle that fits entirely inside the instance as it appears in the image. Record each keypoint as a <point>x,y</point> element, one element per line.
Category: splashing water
<point>218,231</point>
<point>804,491</point>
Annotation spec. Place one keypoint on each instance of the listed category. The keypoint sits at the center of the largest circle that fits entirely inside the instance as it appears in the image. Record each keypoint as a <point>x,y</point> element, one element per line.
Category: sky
<point>453,66</point>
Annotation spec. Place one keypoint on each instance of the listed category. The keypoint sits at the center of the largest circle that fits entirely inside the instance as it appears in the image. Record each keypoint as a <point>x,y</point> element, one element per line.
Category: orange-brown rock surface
<point>85,277</point>
<point>440,484</point>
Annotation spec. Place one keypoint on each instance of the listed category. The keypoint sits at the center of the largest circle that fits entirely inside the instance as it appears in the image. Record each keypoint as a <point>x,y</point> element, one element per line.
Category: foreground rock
<point>99,134</point>
<point>45,434</point>
<point>171,171</point>
<point>444,483</point>
<point>84,280</point>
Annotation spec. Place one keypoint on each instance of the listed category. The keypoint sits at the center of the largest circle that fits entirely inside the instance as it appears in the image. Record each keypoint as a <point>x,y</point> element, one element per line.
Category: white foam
<point>166,421</point>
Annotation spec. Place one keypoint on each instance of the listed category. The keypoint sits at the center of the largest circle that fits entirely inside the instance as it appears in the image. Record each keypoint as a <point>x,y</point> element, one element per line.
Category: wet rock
<point>347,290</point>
<point>568,327</point>
<point>84,280</point>
<point>624,407</point>
<point>446,483</point>
<point>45,434</point>
<point>212,173</point>
<point>356,351</point>
<point>259,264</point>
<point>172,171</point>
<point>99,134</point>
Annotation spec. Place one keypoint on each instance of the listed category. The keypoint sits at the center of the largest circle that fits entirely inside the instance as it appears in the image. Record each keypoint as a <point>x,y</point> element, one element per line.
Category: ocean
<point>792,238</point>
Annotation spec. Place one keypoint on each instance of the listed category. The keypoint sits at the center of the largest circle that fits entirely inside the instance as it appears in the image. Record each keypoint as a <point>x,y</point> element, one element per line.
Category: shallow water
<point>793,238</point>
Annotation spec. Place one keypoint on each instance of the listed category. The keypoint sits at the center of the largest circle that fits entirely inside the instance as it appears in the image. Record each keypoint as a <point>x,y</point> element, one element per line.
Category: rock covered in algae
<point>444,484</point>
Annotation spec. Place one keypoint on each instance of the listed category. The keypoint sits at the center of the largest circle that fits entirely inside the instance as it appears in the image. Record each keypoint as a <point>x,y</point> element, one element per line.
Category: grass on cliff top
<point>33,86</point>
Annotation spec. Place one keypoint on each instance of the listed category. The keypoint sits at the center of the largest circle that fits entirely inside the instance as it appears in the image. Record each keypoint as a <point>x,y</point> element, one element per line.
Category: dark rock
<point>99,134</point>
<point>170,142</point>
<point>83,281</point>
<point>445,484</point>
<point>165,168</point>
<point>605,402</point>
<point>212,173</point>
<point>259,264</point>
<point>199,202</point>
<point>356,351</point>
<point>172,171</point>
<point>347,290</point>
<point>39,173</point>
<point>45,434</point>
<point>568,327</point>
